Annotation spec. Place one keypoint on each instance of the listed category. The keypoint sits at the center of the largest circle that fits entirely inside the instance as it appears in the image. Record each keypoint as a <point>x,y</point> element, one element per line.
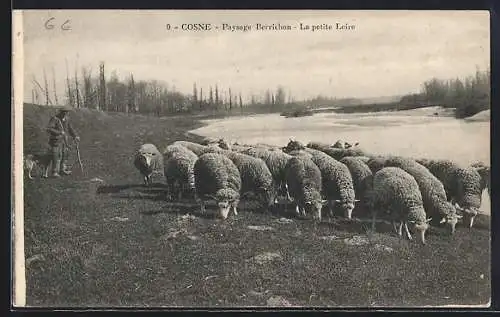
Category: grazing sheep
<point>432,190</point>
<point>179,172</point>
<point>256,178</point>
<point>300,153</point>
<point>304,184</point>
<point>348,145</point>
<point>235,147</point>
<point>339,144</point>
<point>293,145</point>
<point>223,144</point>
<point>337,183</point>
<point>337,153</point>
<point>198,149</point>
<point>276,162</point>
<point>361,175</point>
<point>148,160</point>
<point>462,185</point>
<point>171,149</point>
<point>316,145</point>
<point>396,194</point>
<point>485,173</point>
<point>364,159</point>
<point>218,178</point>
<point>209,140</point>
<point>376,163</point>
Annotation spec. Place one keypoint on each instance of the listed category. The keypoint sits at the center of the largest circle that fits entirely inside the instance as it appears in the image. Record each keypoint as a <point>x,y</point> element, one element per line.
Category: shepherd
<point>59,127</point>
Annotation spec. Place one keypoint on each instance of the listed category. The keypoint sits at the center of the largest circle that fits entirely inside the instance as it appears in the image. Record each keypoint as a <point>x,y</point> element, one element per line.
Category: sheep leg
<point>234,209</point>
<point>303,211</point>
<point>297,209</point>
<point>400,229</point>
<point>202,207</point>
<point>29,174</point>
<point>394,226</point>
<point>287,193</point>
<point>407,231</point>
<point>374,216</point>
<point>330,207</point>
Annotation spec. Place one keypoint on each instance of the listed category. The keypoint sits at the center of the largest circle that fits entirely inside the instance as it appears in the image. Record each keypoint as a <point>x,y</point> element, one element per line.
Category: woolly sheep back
<point>214,172</point>
<point>304,183</point>
<point>337,182</point>
<point>179,172</point>
<point>431,188</point>
<point>397,193</point>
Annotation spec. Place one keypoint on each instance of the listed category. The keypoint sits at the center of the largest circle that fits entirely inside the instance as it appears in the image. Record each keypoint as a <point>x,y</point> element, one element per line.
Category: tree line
<point>109,93</point>
<point>468,95</point>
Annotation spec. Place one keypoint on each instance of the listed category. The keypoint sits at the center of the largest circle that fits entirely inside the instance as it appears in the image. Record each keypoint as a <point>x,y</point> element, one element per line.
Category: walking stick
<point>78,155</point>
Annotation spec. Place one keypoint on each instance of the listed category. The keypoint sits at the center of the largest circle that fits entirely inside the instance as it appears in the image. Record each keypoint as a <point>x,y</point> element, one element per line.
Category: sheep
<point>223,144</point>
<point>148,160</point>
<point>179,172</point>
<point>293,145</point>
<point>364,159</point>
<point>173,148</point>
<point>485,173</point>
<point>361,175</point>
<point>235,147</point>
<point>209,140</point>
<point>337,153</point>
<point>304,184</point>
<point>432,190</point>
<point>276,162</point>
<point>301,153</point>
<point>218,178</point>
<point>337,183</point>
<point>396,193</point>
<point>256,178</point>
<point>339,144</point>
<point>195,147</point>
<point>462,184</point>
<point>376,163</point>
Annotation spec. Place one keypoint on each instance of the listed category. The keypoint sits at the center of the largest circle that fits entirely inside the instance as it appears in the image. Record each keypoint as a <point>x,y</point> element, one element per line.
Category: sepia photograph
<point>251,158</point>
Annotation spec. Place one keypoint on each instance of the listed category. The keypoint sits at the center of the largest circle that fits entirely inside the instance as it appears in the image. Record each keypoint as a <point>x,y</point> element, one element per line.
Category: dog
<point>33,160</point>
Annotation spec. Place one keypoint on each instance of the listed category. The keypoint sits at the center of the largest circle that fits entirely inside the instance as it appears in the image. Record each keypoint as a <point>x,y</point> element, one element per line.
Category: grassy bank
<point>102,239</point>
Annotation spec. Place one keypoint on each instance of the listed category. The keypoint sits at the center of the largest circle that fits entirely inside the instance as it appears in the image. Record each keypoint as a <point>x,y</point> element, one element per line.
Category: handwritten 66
<point>64,26</point>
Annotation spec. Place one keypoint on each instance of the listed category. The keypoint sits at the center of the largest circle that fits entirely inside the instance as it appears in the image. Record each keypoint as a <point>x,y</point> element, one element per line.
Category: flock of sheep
<point>406,191</point>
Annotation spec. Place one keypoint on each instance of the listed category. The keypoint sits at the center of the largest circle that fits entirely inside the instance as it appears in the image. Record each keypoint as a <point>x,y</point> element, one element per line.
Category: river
<point>414,133</point>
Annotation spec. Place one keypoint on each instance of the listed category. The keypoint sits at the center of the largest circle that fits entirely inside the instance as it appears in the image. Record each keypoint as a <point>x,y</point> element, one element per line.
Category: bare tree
<point>102,88</point>
<point>217,100</point>
<point>46,85</point>
<point>87,87</point>
<point>201,98</point>
<point>211,97</point>
<point>47,98</point>
<point>280,97</point>
<point>69,91</point>
<point>54,85</point>
<point>241,102</point>
<point>230,100</point>
<point>77,90</point>
<point>131,100</point>
<point>195,96</point>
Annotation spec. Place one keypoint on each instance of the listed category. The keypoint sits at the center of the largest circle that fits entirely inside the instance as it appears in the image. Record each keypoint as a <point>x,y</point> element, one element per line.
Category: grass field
<point>102,239</point>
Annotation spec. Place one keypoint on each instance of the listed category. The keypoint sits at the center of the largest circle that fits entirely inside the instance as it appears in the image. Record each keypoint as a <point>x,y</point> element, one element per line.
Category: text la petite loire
<point>327,27</point>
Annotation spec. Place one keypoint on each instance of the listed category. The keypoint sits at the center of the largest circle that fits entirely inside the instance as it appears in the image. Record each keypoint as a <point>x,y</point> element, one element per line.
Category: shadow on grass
<point>184,207</point>
<point>113,189</point>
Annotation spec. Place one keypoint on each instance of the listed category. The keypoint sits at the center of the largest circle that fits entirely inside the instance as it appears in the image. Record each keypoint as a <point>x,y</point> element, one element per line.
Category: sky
<point>387,53</point>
